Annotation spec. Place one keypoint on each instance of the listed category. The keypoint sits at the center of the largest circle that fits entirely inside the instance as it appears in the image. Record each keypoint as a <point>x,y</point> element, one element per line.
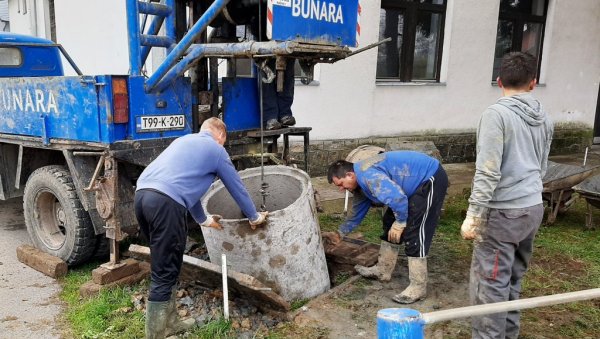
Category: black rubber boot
<point>288,120</point>
<point>272,124</point>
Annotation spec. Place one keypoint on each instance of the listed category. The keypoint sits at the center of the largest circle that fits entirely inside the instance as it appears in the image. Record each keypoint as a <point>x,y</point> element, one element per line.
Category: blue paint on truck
<point>320,21</point>
<point>36,100</point>
<point>26,56</point>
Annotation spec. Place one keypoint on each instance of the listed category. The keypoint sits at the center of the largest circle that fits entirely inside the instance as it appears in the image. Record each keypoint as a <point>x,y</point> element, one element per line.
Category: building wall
<point>349,103</point>
<point>94,32</point>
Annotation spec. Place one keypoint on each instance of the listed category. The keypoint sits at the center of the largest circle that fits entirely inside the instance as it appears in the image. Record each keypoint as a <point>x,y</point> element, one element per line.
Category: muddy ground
<point>351,311</point>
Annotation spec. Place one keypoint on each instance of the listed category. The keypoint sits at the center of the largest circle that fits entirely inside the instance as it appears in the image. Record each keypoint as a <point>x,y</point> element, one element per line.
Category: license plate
<point>160,122</point>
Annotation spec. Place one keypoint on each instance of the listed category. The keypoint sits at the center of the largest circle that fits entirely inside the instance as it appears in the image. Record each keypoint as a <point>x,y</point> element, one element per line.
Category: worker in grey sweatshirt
<point>505,207</point>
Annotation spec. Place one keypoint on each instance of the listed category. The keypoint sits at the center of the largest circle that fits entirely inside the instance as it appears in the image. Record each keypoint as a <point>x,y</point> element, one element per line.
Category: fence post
<point>399,323</point>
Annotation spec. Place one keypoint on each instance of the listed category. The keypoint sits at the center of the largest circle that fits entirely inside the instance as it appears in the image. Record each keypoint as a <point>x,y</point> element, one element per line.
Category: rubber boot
<point>417,274</point>
<point>388,255</point>
<point>156,319</point>
<point>174,324</point>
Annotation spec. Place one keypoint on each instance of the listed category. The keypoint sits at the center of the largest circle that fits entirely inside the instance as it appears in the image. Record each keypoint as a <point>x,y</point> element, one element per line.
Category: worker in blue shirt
<point>170,187</point>
<point>412,186</point>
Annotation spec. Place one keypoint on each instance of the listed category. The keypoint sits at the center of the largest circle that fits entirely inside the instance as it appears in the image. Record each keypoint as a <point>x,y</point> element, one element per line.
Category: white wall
<point>94,33</point>
<point>29,17</point>
<point>571,60</point>
<point>349,103</point>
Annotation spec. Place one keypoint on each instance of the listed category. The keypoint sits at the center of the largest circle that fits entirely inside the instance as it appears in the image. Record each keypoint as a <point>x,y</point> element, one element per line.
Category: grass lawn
<point>566,258</point>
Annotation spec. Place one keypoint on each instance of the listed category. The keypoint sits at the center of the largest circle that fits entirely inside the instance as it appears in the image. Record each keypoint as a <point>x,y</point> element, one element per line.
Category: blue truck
<point>73,146</point>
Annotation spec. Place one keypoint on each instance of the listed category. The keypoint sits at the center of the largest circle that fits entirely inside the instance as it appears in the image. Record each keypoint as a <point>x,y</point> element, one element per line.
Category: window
<point>10,56</point>
<point>520,28</point>
<point>417,31</point>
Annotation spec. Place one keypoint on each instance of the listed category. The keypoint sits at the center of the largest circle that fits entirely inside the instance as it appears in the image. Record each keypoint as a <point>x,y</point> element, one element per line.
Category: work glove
<point>262,217</point>
<point>333,238</point>
<point>212,221</point>
<point>471,226</point>
<point>396,231</point>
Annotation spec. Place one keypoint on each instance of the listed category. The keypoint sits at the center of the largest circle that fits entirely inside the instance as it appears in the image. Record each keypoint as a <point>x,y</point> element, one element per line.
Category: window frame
<point>411,9</point>
<point>519,19</point>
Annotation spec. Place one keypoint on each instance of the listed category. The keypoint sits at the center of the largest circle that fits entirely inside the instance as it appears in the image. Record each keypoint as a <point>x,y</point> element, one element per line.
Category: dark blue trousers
<point>163,222</point>
<point>276,105</point>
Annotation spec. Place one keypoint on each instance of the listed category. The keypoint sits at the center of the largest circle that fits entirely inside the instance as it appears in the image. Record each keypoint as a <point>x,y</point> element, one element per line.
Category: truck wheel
<point>55,218</point>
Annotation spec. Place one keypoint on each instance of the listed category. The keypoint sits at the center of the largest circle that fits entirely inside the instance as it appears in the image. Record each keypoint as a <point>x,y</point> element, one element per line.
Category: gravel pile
<point>205,305</point>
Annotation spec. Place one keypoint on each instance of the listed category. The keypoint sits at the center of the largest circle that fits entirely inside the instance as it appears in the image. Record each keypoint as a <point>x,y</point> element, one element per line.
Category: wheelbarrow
<point>558,186</point>
<point>589,189</point>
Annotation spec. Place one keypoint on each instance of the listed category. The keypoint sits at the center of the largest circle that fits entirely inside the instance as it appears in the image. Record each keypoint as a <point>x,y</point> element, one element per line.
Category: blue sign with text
<point>318,21</point>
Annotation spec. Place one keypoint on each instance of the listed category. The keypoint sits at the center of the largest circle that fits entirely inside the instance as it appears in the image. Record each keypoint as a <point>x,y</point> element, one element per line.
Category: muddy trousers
<point>500,259</point>
<point>163,222</point>
<point>424,209</point>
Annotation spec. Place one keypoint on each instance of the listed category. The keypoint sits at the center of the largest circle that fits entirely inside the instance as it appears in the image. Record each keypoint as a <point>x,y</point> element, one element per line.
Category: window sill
<point>399,83</point>
<point>495,84</point>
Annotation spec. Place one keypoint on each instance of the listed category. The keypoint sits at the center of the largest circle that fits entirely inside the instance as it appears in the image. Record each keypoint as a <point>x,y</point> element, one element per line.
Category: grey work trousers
<point>500,259</point>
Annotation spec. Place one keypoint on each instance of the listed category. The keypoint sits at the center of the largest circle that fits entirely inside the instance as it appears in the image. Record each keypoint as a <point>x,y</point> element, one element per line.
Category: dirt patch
<point>554,273</point>
<point>352,312</point>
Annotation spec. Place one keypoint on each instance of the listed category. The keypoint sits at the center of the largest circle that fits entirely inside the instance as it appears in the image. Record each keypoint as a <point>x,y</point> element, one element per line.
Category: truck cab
<point>27,56</point>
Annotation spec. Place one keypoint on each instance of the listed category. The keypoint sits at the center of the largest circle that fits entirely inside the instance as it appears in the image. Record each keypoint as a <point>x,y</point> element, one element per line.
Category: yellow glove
<point>332,238</point>
<point>471,227</point>
<point>396,231</point>
<point>262,218</point>
<point>212,221</point>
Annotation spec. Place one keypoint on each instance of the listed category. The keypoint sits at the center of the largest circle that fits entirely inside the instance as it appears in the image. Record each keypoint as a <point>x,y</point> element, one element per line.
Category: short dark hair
<point>339,169</point>
<point>517,69</point>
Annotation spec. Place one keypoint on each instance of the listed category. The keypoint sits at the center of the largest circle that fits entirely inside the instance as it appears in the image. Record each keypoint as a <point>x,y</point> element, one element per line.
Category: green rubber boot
<point>174,324</point>
<point>156,319</point>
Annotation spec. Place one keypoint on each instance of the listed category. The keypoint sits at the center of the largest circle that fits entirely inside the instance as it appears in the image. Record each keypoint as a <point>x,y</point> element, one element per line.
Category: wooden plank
<point>352,252</point>
<point>103,276</point>
<point>90,288</point>
<point>41,261</point>
<point>209,275</point>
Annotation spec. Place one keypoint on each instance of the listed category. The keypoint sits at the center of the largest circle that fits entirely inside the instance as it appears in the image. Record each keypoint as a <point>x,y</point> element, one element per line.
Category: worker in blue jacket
<point>167,190</point>
<point>412,186</point>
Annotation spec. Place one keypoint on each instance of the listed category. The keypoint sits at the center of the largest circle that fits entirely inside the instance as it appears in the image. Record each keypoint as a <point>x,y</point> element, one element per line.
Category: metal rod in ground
<point>407,323</point>
<point>346,203</point>
<point>225,291</point>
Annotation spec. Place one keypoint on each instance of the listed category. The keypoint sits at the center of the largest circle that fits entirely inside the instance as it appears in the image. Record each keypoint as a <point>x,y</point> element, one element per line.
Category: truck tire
<point>56,221</point>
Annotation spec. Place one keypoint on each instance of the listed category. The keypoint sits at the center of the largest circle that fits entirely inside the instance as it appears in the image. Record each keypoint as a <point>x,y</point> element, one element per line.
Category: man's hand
<point>332,238</point>
<point>396,231</point>
<point>471,227</point>
<point>262,217</point>
<point>212,221</point>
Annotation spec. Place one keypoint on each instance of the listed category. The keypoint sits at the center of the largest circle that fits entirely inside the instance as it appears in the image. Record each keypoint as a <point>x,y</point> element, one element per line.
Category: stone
<point>246,323</point>
<point>41,261</point>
